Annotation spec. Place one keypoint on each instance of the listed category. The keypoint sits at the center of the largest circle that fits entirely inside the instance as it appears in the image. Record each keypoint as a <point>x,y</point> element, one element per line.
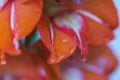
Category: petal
<point>100,33</point>
<point>44,30</point>
<point>76,73</point>
<point>2,4</point>
<point>86,70</point>
<point>73,68</point>
<point>99,60</point>
<point>74,25</point>
<point>103,9</point>
<point>103,57</point>
<point>6,41</point>
<point>17,22</point>
<point>44,53</point>
<point>30,67</point>
<point>58,43</point>
<point>72,73</point>
<point>2,58</point>
<point>26,14</point>
<point>40,48</point>
<point>94,76</point>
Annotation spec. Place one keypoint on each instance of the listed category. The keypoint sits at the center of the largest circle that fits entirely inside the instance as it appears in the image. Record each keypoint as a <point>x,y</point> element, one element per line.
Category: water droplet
<point>72,50</point>
<point>2,59</point>
<point>64,41</point>
<point>60,56</point>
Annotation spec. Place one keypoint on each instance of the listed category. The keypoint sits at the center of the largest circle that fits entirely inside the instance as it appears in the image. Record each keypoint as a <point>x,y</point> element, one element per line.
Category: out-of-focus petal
<point>30,67</point>
<point>72,73</point>
<point>74,69</point>
<point>102,57</point>
<point>99,62</point>
<point>89,75</point>
<point>103,9</point>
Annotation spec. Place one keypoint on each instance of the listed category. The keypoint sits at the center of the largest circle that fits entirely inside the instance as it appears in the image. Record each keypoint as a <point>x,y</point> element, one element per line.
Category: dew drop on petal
<point>60,56</point>
<point>64,41</point>
<point>72,50</point>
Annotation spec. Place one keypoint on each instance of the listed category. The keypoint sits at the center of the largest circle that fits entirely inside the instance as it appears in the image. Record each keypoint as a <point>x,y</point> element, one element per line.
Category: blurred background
<point>115,46</point>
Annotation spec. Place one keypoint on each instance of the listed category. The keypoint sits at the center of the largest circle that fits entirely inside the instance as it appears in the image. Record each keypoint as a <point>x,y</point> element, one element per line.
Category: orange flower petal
<point>89,75</point>
<point>64,46</point>
<point>74,25</point>
<point>103,9</point>
<point>18,18</point>
<point>59,44</point>
<point>6,41</point>
<point>99,32</point>
<point>26,15</point>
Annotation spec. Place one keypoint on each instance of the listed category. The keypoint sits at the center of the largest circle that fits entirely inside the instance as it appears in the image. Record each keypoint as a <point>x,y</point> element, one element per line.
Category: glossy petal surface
<point>63,34</point>
<point>27,13</point>
<point>17,19</point>
<point>73,24</point>
<point>56,41</point>
<point>6,41</point>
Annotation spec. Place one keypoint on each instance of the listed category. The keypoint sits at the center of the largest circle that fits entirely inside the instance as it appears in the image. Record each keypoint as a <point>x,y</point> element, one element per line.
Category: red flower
<point>76,25</point>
